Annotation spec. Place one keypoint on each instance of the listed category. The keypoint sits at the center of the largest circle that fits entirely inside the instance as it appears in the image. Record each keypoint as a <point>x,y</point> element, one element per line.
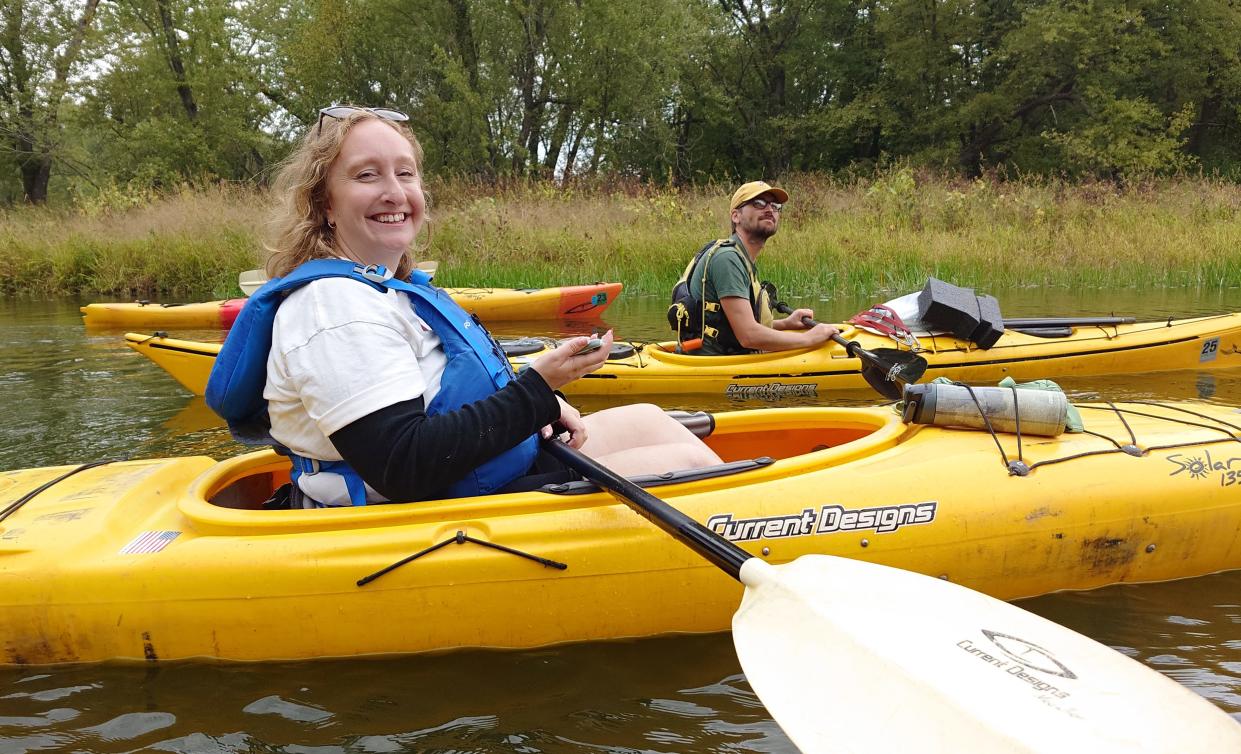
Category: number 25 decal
<point>1210,349</point>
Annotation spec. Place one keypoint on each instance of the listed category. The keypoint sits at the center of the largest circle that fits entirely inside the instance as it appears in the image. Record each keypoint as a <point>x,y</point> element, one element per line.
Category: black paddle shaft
<point>699,538</point>
<point>851,347</point>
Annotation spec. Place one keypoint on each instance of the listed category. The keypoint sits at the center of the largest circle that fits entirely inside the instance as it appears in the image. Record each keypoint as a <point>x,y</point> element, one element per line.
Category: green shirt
<point>726,275</point>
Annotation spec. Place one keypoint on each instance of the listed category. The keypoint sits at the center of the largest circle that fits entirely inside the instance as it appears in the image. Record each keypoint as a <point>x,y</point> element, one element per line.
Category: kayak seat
<point>250,491</point>
<point>585,487</point>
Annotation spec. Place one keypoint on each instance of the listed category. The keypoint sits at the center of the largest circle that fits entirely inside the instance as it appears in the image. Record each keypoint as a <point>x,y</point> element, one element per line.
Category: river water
<point>72,396</point>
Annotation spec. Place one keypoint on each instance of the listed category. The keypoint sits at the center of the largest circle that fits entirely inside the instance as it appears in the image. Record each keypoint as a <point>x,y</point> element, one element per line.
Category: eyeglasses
<point>342,111</point>
<point>765,203</point>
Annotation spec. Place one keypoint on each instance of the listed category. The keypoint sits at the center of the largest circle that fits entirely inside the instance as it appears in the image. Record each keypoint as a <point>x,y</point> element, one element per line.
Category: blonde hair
<point>299,223</point>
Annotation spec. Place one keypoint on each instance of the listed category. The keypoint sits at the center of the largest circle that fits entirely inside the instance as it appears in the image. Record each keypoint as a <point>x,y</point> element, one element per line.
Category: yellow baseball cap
<point>756,188</point>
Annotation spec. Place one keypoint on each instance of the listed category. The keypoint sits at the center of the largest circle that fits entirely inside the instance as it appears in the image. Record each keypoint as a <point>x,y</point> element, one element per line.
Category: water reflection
<point>671,694</point>
<point>72,396</point>
<point>1189,630</point>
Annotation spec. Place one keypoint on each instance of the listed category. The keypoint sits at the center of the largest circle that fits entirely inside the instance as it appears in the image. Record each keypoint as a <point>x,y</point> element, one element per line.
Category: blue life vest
<point>476,368</point>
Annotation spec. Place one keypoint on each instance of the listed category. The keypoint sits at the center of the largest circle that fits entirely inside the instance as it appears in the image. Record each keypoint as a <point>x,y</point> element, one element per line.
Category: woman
<point>408,397</point>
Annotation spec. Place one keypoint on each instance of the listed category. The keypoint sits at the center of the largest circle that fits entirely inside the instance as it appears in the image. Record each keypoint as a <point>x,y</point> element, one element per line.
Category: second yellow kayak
<point>1202,343</point>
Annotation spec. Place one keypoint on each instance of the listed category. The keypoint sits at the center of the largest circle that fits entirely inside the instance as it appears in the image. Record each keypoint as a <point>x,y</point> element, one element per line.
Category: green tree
<point>180,98</point>
<point>1074,86</point>
<point>783,85</point>
<point>40,51</point>
<point>622,74</point>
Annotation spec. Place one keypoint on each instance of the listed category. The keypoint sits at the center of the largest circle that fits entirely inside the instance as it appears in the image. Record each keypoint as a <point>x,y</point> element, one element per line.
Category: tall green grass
<point>885,233</point>
<point>192,242</point>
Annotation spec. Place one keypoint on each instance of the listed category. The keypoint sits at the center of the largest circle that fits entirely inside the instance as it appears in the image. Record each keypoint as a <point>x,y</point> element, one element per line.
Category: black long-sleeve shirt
<point>406,455</point>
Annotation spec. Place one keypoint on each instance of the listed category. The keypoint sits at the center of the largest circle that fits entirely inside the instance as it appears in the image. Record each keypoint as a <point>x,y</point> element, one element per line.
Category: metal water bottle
<point>1034,412</point>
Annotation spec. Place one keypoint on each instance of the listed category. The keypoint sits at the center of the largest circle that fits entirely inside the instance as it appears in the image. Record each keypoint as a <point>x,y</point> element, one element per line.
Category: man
<point>723,281</point>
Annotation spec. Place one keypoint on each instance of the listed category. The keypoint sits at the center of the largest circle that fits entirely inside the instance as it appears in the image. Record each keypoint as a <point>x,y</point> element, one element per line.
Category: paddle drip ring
<point>882,319</point>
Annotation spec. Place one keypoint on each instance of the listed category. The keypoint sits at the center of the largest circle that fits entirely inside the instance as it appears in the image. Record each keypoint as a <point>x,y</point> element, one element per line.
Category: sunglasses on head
<point>765,203</point>
<point>343,111</point>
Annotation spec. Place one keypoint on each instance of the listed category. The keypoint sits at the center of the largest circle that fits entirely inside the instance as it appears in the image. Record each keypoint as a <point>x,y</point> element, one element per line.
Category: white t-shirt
<point>341,350</point>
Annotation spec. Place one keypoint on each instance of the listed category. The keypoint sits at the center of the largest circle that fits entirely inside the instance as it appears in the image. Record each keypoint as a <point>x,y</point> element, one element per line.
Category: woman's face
<point>374,195</point>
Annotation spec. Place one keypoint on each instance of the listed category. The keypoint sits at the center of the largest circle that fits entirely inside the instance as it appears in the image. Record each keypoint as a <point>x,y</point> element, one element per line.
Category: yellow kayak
<point>1212,342</point>
<point>166,559</point>
<point>489,304</point>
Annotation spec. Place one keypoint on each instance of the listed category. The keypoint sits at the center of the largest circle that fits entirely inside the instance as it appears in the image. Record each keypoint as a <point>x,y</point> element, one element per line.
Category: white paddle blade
<point>251,280</point>
<point>851,656</point>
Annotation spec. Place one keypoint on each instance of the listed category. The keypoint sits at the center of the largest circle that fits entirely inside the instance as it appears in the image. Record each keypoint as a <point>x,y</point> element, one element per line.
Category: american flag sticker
<point>149,541</point>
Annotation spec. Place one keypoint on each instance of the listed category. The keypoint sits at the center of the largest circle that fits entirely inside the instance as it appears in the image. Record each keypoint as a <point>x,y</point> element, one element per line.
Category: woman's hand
<point>571,420</point>
<point>560,367</point>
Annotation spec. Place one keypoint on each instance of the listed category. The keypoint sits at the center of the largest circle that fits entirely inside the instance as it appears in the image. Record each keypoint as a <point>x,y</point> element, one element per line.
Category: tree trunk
<point>464,32</point>
<point>36,172</point>
<point>597,152</point>
<point>571,159</point>
<point>175,62</point>
<point>1208,113</point>
<point>684,121</point>
<point>532,141</point>
<point>777,159</point>
<point>533,97</point>
<point>559,132</point>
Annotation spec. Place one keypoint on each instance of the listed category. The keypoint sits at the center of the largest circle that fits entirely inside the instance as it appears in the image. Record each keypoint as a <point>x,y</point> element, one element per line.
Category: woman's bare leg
<point>642,439</point>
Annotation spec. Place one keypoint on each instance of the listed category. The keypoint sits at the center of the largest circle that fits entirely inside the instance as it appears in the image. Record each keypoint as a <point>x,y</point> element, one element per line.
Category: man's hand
<point>794,320</point>
<point>821,333</point>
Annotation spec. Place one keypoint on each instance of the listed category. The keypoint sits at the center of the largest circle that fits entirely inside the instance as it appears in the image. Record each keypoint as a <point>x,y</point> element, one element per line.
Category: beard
<point>759,230</point>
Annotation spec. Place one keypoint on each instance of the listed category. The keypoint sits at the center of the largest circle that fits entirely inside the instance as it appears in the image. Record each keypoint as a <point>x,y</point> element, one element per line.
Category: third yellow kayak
<point>489,304</point>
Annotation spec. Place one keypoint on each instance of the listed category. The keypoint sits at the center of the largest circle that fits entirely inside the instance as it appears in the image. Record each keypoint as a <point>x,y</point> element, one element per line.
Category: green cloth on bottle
<point>1072,422</point>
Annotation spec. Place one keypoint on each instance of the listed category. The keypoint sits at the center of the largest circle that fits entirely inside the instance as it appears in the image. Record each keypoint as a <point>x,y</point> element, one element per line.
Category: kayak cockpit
<point>754,445</point>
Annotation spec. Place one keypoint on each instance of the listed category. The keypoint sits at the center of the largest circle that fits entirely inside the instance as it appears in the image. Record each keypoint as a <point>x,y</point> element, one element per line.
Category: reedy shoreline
<point>867,236</point>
